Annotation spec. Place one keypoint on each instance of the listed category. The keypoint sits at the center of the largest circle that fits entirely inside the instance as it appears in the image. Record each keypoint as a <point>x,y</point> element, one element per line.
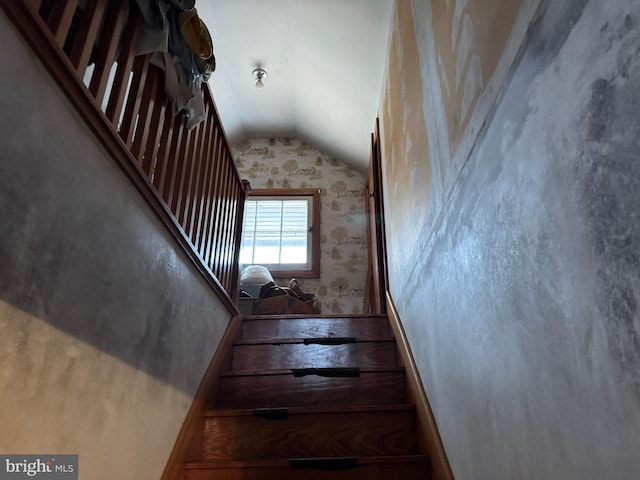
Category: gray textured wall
<point>106,328</point>
<point>522,309</point>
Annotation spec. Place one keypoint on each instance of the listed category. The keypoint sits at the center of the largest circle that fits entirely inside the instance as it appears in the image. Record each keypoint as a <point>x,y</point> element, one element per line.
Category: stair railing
<point>187,175</point>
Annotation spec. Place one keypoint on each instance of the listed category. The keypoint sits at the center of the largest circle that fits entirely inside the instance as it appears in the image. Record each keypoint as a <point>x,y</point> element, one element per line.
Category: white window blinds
<point>276,231</point>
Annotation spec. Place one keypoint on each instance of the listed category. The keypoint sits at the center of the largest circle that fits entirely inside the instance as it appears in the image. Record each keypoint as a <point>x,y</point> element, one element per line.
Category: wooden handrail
<point>187,175</point>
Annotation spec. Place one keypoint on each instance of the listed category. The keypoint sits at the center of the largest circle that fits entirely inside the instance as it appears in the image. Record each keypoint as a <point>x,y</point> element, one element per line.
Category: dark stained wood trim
<point>36,34</point>
<point>377,276</point>
<point>429,441</point>
<point>377,172</point>
<point>189,441</point>
<point>373,297</point>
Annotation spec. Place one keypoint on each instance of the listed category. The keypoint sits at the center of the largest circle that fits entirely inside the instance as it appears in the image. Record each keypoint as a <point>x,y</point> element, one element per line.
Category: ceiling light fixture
<point>259,74</point>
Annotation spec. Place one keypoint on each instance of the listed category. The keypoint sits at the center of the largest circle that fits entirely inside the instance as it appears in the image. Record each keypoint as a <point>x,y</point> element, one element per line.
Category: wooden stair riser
<point>404,468</point>
<point>373,328</point>
<point>305,435</point>
<point>255,391</point>
<point>296,355</point>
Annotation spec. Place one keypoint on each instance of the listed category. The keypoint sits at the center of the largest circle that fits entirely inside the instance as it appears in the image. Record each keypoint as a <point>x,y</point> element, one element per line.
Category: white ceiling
<point>325,62</point>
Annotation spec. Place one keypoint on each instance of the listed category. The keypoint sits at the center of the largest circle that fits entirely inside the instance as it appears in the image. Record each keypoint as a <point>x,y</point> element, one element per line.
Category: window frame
<point>314,193</point>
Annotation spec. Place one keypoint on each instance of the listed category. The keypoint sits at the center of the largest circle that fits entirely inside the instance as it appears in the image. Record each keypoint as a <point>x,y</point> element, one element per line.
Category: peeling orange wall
<point>404,126</point>
<point>469,37</point>
<point>465,39</point>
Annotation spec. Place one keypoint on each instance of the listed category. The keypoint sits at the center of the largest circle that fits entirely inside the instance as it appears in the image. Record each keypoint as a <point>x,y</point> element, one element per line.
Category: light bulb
<point>259,74</point>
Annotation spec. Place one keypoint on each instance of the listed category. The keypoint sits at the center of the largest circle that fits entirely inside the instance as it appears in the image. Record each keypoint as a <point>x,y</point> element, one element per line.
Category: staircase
<point>312,398</point>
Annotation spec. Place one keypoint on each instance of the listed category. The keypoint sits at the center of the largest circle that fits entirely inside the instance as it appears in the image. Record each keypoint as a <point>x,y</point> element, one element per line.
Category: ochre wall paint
<point>469,37</point>
<point>406,142</point>
<point>445,65</point>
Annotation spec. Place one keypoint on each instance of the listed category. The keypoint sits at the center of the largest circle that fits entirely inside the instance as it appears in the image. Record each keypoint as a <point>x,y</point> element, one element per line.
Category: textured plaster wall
<point>520,294</point>
<point>106,329</point>
<point>291,163</point>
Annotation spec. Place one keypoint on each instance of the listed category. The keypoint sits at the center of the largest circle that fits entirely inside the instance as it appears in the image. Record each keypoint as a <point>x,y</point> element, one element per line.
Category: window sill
<point>294,273</point>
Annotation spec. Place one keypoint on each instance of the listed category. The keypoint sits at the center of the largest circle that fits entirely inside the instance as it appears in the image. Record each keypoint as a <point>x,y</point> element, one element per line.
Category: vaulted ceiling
<point>324,59</point>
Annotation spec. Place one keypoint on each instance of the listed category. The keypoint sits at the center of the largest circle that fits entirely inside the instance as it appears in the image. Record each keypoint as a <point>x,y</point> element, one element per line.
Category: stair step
<point>406,467</point>
<point>275,388</point>
<point>317,432</point>
<point>370,327</point>
<point>293,354</point>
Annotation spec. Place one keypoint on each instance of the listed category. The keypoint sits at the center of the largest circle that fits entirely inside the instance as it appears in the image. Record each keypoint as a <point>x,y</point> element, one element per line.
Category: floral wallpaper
<point>291,163</point>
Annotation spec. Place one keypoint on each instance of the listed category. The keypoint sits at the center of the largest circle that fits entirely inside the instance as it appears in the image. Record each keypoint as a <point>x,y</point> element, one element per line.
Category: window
<point>281,230</point>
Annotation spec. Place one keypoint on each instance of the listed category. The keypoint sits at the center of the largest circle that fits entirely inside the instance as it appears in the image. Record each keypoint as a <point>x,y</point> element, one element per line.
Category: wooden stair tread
<point>406,467</point>
<point>275,388</point>
<point>287,371</point>
<point>303,316</point>
<point>301,340</point>
<point>299,355</point>
<point>327,434</point>
<point>270,327</point>
<point>240,412</point>
<point>284,462</point>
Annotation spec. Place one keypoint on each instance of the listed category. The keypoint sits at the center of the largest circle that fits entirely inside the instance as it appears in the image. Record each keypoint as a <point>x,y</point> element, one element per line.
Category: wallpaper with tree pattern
<point>290,163</point>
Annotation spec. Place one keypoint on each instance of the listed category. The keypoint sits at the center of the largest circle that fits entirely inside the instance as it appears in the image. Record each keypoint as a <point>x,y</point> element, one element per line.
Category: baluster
<point>60,19</point>
<point>229,221</point>
<point>167,140</point>
<point>130,119</point>
<point>150,152</point>
<point>224,225</point>
<point>203,170</point>
<point>189,190</point>
<point>33,5</point>
<point>189,161</point>
<point>219,226</point>
<point>147,104</point>
<point>86,36</point>
<point>123,72</point>
<point>207,226</point>
<point>213,230</point>
<point>117,15</point>
<point>206,193</point>
<point>181,171</point>
<point>176,158</point>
